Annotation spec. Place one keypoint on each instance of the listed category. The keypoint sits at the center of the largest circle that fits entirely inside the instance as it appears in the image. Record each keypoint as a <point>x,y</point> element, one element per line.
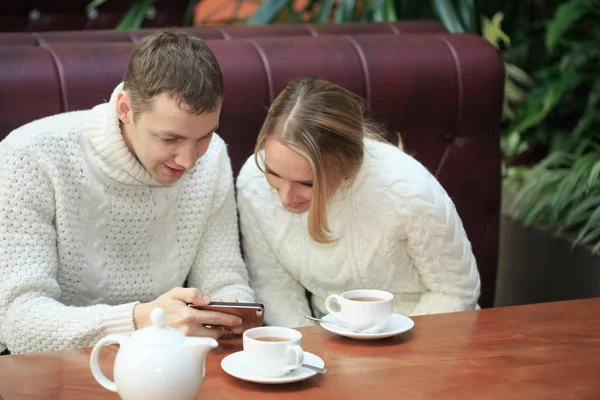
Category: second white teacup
<point>273,351</point>
<point>364,309</point>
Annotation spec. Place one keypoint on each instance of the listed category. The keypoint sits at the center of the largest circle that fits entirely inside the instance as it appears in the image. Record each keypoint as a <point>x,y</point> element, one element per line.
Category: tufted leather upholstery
<point>442,92</point>
<point>44,15</point>
<point>230,32</point>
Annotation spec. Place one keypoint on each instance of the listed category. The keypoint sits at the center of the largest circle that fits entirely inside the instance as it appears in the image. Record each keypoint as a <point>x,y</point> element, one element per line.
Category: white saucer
<point>236,365</point>
<point>398,324</point>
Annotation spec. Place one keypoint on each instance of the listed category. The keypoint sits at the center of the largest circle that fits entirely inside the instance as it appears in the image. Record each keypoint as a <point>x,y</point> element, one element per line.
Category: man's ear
<point>124,111</point>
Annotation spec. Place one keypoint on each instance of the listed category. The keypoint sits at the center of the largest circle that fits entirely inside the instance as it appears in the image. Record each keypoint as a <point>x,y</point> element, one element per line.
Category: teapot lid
<point>158,334</point>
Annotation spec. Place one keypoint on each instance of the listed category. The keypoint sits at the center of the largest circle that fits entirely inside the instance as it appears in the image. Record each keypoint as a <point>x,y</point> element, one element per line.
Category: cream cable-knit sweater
<point>86,232</point>
<point>397,228</point>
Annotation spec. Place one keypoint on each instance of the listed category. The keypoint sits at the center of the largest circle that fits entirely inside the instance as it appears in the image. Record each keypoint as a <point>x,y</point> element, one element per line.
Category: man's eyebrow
<point>178,136</point>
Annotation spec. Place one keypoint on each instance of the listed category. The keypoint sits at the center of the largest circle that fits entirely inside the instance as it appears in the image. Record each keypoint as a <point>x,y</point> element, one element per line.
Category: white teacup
<point>273,351</point>
<point>364,309</point>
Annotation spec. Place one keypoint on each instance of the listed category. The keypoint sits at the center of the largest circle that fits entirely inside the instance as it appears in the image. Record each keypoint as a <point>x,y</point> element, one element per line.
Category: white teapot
<point>157,362</point>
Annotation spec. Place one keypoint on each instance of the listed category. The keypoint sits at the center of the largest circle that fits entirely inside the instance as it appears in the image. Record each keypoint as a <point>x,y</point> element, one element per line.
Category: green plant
<point>463,16</point>
<point>560,114</point>
<point>559,124</point>
<point>278,11</point>
<point>134,17</point>
<point>562,194</point>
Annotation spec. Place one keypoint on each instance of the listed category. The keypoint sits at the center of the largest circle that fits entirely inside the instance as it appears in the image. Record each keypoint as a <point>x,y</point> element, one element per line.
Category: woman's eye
<point>307,184</point>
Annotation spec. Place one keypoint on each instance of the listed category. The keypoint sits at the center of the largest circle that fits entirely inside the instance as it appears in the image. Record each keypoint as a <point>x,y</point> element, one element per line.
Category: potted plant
<point>550,239</point>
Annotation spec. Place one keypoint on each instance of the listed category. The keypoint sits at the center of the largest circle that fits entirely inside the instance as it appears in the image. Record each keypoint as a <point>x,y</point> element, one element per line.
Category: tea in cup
<point>364,309</point>
<point>273,351</point>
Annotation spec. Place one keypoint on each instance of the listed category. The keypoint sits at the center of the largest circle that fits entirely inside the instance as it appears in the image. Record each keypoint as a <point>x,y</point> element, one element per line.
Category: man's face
<point>166,140</point>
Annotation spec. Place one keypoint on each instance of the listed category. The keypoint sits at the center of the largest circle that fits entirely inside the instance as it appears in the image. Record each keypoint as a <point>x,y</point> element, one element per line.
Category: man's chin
<point>167,179</point>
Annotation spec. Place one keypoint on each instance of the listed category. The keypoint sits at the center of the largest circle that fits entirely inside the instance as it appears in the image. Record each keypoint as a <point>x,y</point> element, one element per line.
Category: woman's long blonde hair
<point>325,124</point>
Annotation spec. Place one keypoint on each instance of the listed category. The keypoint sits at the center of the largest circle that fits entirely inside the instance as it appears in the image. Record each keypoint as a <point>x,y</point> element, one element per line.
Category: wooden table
<point>543,351</point>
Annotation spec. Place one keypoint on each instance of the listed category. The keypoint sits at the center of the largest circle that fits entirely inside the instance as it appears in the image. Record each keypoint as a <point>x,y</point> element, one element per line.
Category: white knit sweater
<point>397,230</point>
<point>86,232</point>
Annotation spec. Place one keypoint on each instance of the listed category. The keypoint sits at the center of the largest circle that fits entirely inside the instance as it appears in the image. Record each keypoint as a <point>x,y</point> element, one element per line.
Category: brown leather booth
<point>228,32</point>
<point>442,92</point>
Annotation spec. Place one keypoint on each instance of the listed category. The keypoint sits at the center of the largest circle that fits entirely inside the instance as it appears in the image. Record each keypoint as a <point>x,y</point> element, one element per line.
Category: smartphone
<point>252,314</point>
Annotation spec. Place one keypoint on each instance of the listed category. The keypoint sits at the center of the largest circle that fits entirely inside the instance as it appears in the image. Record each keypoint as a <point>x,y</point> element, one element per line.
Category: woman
<point>326,205</point>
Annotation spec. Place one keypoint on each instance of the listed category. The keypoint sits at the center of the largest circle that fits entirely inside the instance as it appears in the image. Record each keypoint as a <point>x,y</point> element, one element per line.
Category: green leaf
<point>596,248</point>
<point>344,11</point>
<point>514,93</point>
<point>572,188</point>
<point>512,144</point>
<point>325,11</point>
<point>592,223</point>
<point>536,213</point>
<point>581,212</point>
<point>188,17</point>
<point>591,114</point>
<point>573,223</point>
<point>535,188</point>
<point>134,17</point>
<point>268,11</point>
<point>518,75</point>
<point>468,15</point>
<point>447,14</point>
<point>378,10</point>
<point>492,31</point>
<point>390,11</point>
<point>537,108</point>
<point>556,159</point>
<point>95,4</point>
<point>591,235</point>
<point>347,7</point>
<point>566,14</point>
<point>593,181</point>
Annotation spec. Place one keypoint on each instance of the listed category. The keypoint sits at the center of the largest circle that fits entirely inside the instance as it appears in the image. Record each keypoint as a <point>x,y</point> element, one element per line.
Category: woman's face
<point>290,174</point>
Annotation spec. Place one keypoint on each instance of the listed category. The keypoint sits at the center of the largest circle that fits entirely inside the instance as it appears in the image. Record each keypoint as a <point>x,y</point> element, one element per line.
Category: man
<point>105,212</point>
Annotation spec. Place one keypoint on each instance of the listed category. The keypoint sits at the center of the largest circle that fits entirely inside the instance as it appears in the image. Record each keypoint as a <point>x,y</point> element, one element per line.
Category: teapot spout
<point>198,349</point>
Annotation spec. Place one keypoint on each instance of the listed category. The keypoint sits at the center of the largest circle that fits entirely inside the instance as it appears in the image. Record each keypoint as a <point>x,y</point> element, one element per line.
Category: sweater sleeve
<point>219,269</point>
<point>32,318</point>
<point>439,248</point>
<point>283,296</point>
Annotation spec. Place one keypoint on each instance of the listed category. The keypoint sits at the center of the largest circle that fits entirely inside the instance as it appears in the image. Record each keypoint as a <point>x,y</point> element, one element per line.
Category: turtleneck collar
<point>107,149</point>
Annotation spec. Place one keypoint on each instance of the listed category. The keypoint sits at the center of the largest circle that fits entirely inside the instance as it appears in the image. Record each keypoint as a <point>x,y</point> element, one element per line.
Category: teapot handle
<point>95,366</point>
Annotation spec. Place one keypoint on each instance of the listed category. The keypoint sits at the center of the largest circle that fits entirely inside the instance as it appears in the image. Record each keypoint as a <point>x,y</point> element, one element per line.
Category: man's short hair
<point>179,65</point>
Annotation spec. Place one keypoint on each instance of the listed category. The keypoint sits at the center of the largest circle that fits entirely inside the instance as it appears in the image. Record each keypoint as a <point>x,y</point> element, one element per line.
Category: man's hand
<point>227,299</point>
<point>237,330</point>
<point>186,319</point>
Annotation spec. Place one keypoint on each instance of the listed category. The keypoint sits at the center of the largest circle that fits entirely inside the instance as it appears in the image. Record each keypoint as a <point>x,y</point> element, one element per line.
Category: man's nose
<point>187,157</point>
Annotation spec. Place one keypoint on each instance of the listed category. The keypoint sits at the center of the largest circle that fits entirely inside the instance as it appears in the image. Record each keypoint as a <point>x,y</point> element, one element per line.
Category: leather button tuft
<point>151,13</point>
<point>34,14</point>
<point>92,14</point>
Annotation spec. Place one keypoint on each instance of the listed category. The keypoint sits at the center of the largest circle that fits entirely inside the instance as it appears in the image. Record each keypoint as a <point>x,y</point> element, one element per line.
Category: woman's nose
<point>286,194</point>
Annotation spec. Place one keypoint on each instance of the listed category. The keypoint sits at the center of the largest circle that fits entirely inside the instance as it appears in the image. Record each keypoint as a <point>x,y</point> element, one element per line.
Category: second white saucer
<point>398,324</point>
